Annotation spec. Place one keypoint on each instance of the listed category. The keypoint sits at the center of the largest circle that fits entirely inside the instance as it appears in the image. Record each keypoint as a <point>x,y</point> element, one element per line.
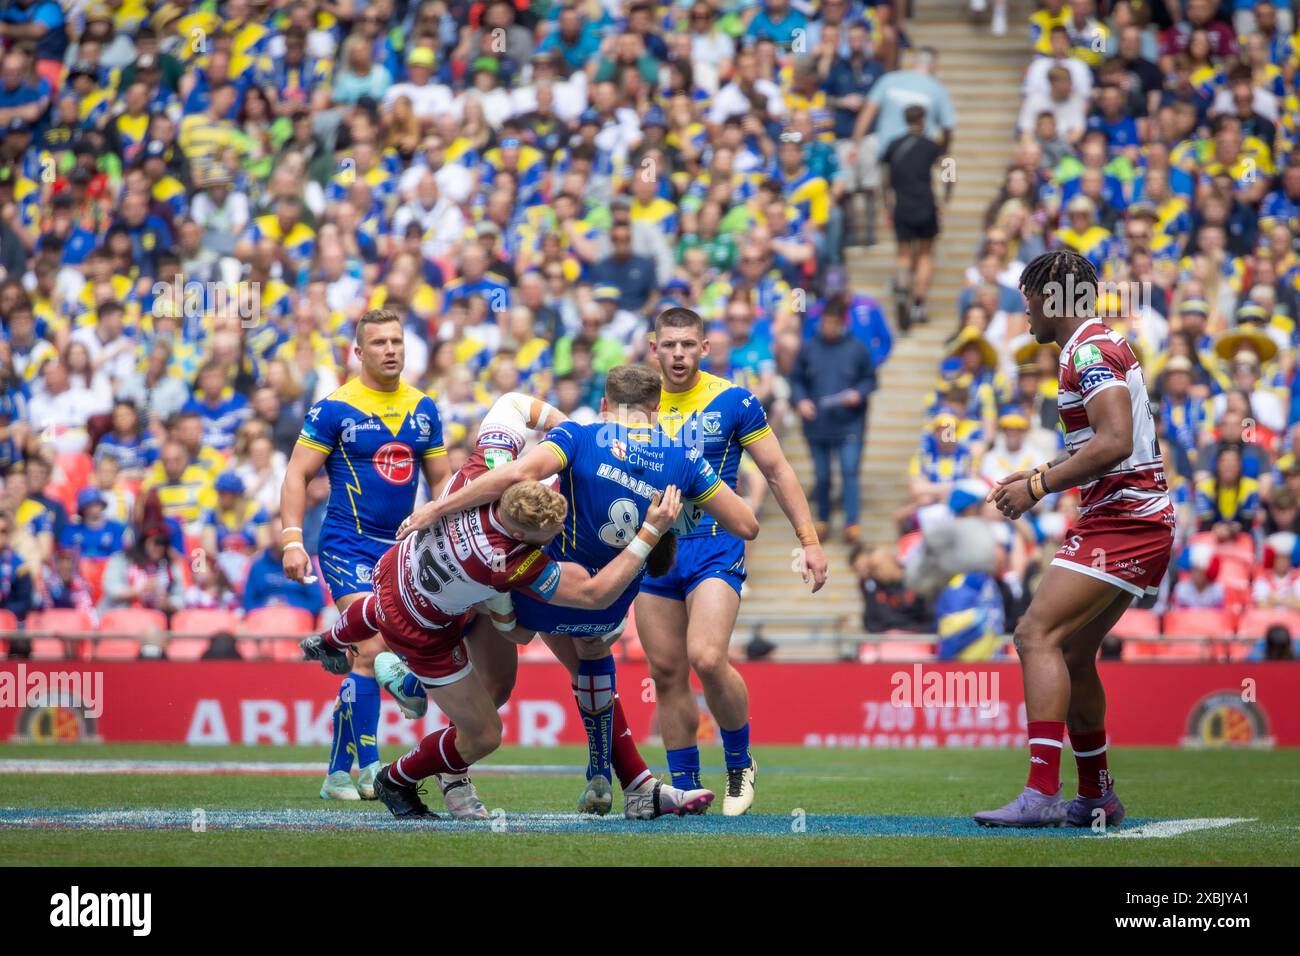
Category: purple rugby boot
<point>1030,809</point>
<point>1082,810</point>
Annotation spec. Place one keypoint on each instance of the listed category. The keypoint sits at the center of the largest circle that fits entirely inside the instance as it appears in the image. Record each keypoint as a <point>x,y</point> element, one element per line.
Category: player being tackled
<point>1117,550</point>
<point>608,470</point>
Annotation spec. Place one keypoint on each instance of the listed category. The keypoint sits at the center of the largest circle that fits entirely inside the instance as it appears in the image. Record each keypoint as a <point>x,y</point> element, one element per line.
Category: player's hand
<point>1009,479</point>
<point>421,517</point>
<point>1013,499</point>
<point>814,566</point>
<point>296,564</point>
<point>664,509</point>
<point>807,409</point>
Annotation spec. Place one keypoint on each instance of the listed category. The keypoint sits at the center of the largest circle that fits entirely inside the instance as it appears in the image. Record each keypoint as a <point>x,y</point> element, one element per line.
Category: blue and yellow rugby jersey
<point>611,471</point>
<point>375,442</point>
<point>236,530</point>
<point>300,242</point>
<point>720,417</point>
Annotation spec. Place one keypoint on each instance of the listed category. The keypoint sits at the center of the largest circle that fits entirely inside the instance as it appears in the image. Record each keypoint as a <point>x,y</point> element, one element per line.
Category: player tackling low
<point>1118,550</point>
<point>685,618</point>
<point>428,588</point>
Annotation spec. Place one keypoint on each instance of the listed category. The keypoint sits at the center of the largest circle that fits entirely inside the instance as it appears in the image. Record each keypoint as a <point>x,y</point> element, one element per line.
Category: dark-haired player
<point>685,618</point>
<point>1118,550</point>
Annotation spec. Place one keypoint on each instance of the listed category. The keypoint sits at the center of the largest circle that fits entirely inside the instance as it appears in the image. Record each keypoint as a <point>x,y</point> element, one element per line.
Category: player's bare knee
<point>711,663</point>
<point>1031,636</point>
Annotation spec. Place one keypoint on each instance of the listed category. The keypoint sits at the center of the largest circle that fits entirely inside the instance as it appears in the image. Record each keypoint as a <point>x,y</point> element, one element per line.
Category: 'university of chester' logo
<point>395,463</point>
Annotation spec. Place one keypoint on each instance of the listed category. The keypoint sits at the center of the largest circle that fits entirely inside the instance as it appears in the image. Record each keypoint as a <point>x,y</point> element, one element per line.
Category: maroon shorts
<point>436,654</point>
<point>1130,553</point>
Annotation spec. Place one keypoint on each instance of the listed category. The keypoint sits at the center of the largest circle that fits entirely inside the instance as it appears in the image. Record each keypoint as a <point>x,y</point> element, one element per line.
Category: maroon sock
<point>436,753</point>
<point>625,758</point>
<point>1045,743</point>
<point>355,624</point>
<point>1090,758</point>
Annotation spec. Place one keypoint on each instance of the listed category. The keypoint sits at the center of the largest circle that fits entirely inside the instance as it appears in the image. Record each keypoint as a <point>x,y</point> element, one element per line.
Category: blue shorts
<point>556,619</point>
<point>699,558</point>
<point>348,562</point>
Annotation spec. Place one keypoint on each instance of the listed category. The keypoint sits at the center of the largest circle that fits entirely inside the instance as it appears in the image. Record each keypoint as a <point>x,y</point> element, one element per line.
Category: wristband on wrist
<point>1035,486</point>
<point>807,535</point>
<point>640,547</point>
<point>1042,483</point>
<point>652,530</point>
<point>293,545</point>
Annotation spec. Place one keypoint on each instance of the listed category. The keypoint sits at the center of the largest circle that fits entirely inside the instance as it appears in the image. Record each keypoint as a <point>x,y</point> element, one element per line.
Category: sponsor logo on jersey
<point>492,457</point>
<point>497,439</point>
<point>395,463</point>
<point>618,450</point>
<point>422,422</point>
<point>1086,355</point>
<point>547,584</point>
<point>1095,376</point>
<point>712,422</point>
<point>525,565</point>
<point>458,654</point>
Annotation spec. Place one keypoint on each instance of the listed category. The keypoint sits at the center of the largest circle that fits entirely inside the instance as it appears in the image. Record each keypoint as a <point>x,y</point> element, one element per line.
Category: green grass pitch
<point>885,808</point>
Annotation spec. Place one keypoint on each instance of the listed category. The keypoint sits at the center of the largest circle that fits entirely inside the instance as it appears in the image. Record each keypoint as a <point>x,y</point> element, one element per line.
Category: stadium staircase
<point>983,74</point>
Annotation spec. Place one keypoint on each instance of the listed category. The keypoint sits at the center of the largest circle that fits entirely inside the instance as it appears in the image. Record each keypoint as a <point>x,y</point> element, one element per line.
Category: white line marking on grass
<point>1173,828</point>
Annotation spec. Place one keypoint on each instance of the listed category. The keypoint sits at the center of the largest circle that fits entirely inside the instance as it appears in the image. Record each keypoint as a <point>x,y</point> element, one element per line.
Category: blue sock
<point>595,693</point>
<point>365,719</point>
<point>412,687</point>
<point>343,746</point>
<point>684,765</point>
<point>735,746</point>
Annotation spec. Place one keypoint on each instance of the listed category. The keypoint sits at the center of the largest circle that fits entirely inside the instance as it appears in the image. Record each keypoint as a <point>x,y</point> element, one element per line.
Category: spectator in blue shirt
<point>778,22</point>
<point>95,535</point>
<point>41,21</point>
<point>267,584</point>
<point>222,409</point>
<point>632,275</point>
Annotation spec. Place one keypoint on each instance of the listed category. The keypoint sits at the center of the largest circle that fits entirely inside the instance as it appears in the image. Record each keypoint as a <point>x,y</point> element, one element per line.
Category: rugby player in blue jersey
<point>608,472</point>
<point>375,436</point>
<point>685,617</point>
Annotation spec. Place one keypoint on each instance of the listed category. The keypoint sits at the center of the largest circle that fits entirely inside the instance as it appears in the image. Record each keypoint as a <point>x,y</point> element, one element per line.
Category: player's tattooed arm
<point>579,588</point>
<point>303,465</point>
<point>537,465</point>
<point>789,494</point>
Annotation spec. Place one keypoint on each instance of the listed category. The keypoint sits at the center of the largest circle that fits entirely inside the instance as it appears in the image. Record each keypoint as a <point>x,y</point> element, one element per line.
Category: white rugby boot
<point>339,786</point>
<point>740,790</point>
<point>461,797</point>
<point>597,796</point>
<point>390,672</point>
<point>366,779</point>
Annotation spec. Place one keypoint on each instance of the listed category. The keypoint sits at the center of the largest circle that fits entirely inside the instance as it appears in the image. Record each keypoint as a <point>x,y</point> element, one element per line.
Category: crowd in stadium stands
<point>1159,140</point>
<point>198,200</point>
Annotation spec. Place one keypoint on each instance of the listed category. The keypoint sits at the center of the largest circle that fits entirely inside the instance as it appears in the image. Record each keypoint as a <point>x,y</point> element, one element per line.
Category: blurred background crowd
<point>1158,140</point>
<point>198,200</point>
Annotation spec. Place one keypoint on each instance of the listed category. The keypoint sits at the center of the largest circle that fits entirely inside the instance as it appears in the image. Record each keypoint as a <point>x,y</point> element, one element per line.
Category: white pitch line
<point>1172,828</point>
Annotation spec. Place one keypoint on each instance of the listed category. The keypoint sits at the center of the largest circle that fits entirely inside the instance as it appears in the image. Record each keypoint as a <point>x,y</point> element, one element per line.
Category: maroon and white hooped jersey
<point>1093,360</point>
<point>469,557</point>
